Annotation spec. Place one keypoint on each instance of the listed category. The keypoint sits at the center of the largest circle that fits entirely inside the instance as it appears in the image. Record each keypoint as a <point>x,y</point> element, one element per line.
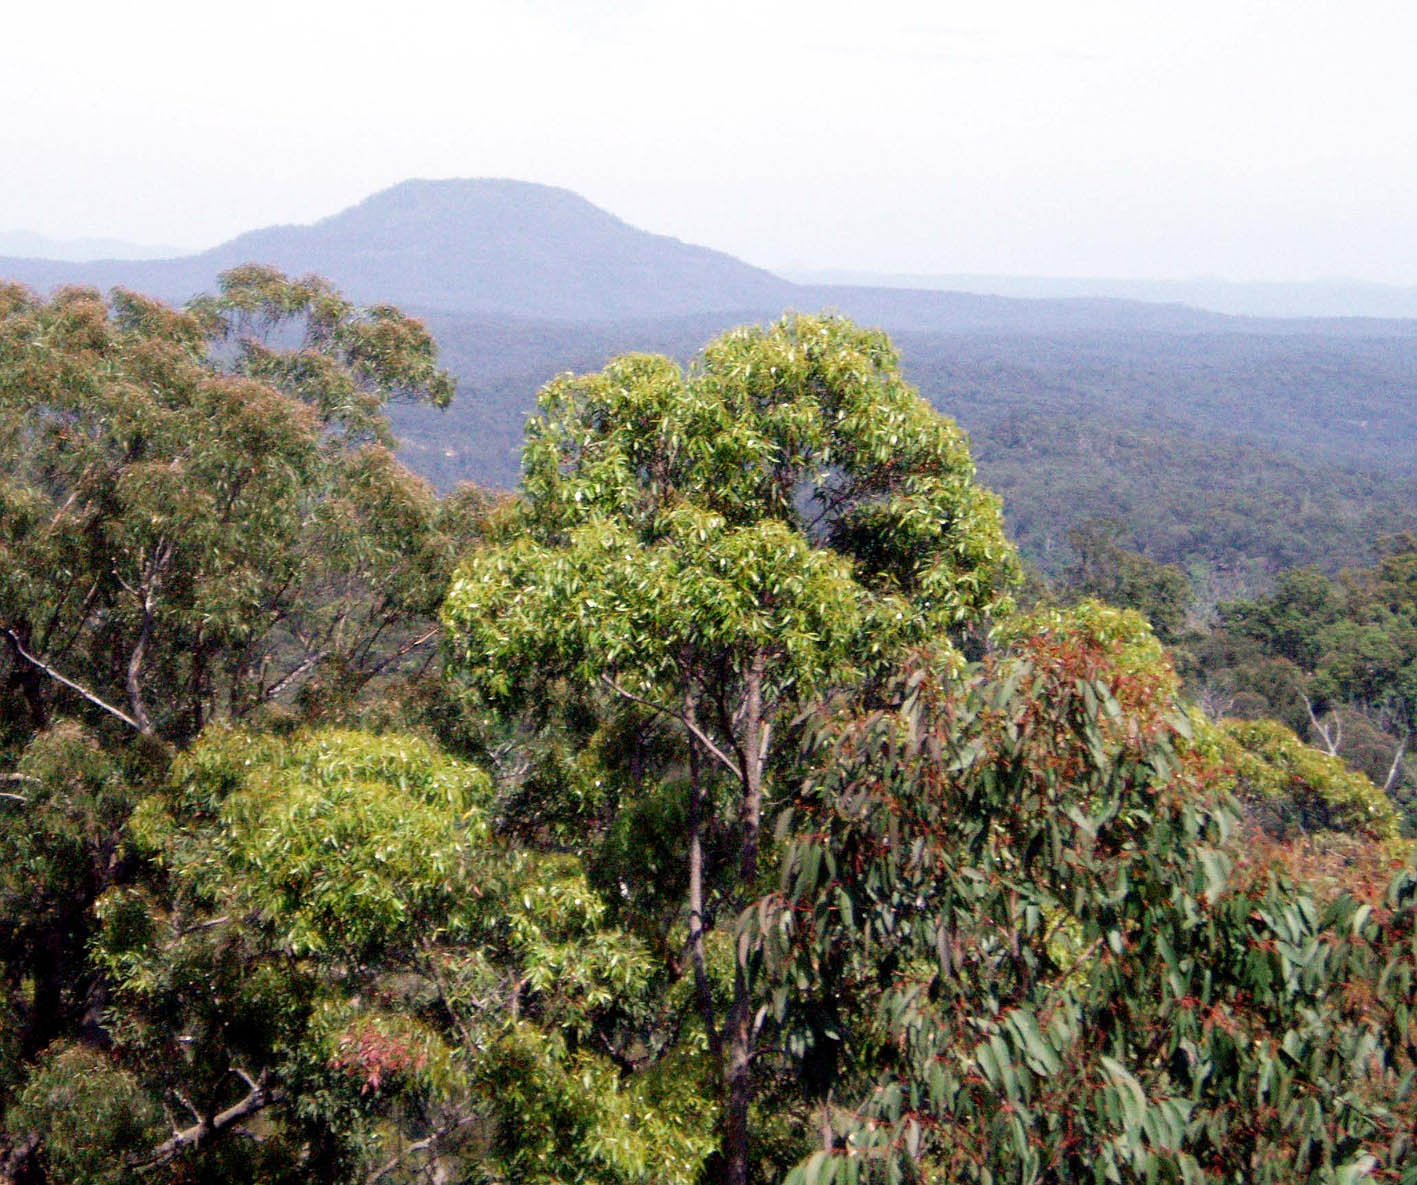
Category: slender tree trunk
<point>1394,771</point>
<point>147,594</point>
<point>738,1071</point>
<point>135,672</point>
<point>697,806</point>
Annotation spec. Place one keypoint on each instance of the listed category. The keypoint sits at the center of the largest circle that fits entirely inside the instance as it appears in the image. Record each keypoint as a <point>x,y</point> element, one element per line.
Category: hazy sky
<point>1244,138</point>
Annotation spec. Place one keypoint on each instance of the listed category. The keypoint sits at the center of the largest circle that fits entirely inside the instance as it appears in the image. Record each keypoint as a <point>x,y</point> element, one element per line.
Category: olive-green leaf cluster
<point>1013,911</point>
<point>197,509</point>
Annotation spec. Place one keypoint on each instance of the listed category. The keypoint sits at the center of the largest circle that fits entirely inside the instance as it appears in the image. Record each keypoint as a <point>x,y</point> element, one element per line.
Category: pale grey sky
<point>1251,139</point>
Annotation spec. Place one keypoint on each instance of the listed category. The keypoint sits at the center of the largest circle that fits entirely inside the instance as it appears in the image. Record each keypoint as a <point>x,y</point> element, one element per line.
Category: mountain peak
<point>495,245</point>
<point>431,203</point>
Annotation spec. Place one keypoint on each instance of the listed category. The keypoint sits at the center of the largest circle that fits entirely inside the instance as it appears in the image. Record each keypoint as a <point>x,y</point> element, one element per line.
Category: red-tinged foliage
<point>1019,924</point>
<point>371,1056</point>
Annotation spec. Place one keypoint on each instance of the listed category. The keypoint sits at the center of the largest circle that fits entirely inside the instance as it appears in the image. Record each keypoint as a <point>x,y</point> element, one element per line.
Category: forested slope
<point>1236,446</point>
<point>1234,455</point>
<point>707,814</point>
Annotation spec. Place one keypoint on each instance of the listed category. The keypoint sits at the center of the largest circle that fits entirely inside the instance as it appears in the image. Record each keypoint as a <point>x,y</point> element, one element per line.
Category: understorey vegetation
<point>727,805</point>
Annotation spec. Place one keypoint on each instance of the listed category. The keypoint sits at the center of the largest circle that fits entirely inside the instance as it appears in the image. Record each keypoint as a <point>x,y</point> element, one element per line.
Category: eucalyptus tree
<point>719,545</point>
<point>199,513</point>
<point>1022,917</point>
<point>199,508</point>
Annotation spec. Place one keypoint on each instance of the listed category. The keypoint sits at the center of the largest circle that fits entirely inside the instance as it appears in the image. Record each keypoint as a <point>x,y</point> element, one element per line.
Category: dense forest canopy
<point>1236,455</point>
<point>707,811</point>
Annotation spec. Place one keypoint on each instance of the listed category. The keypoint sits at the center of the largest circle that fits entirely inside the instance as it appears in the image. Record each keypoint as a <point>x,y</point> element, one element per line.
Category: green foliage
<point>329,917</point>
<point>1014,909</point>
<point>1123,634</point>
<point>665,510</point>
<point>60,848</point>
<point>344,843</point>
<point>1110,572</point>
<point>717,546</point>
<point>1294,787</point>
<point>193,519</point>
<point>1333,659</point>
<point>1020,931</point>
<point>573,1117</point>
<point>1289,620</point>
<point>91,1115</point>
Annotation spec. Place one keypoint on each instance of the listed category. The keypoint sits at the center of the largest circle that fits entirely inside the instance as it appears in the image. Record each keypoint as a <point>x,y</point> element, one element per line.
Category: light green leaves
<point>342,844</point>
<point>788,496</point>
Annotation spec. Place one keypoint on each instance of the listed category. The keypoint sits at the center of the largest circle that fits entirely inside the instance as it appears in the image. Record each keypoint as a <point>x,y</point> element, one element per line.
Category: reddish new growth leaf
<point>372,1056</point>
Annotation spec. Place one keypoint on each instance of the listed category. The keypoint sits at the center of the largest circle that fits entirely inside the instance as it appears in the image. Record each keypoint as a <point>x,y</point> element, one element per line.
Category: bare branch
<point>1331,739</point>
<point>1395,769</point>
<point>186,1102</point>
<point>200,1132</point>
<point>427,1144</point>
<point>199,927</point>
<point>405,649</point>
<point>704,739</point>
<point>69,683</point>
<point>85,608</point>
<point>293,674</point>
<point>766,738</point>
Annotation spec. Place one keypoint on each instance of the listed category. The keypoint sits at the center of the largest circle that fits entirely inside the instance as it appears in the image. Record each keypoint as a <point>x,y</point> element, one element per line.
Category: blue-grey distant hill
<point>484,246</point>
<point>513,248</point>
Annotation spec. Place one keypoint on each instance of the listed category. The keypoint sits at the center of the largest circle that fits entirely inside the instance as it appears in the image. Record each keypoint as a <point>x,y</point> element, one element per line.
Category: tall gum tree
<point>720,544</point>
<point>199,508</point>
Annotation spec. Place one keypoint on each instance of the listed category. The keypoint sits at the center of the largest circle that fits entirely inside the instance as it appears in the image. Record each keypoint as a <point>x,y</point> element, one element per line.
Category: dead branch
<point>59,677</point>
<point>199,1133</point>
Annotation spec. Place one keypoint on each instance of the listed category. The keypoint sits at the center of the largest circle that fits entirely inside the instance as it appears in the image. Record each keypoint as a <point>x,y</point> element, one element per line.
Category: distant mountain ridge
<point>26,244</point>
<point>519,249</point>
<point>1284,299</point>
<point>474,246</point>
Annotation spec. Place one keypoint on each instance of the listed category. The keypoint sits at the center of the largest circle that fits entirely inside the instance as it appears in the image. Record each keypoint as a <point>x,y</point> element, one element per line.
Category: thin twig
<point>423,1145</point>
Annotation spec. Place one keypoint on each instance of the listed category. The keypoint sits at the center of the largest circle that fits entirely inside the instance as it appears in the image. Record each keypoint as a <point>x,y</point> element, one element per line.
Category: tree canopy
<point>720,544</point>
<point>199,509</point>
<point>749,833</point>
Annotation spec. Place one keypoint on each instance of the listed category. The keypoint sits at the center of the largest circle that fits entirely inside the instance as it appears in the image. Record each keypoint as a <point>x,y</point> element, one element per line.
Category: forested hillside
<point>1234,455</point>
<point>708,810</point>
<point>1236,446</point>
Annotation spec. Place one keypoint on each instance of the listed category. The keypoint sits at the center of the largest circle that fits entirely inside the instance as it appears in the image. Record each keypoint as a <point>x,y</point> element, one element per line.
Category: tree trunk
<point>134,682</point>
<point>738,1070</point>
<point>697,806</point>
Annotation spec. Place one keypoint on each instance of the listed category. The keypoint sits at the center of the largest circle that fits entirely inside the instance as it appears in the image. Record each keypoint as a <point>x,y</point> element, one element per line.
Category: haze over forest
<point>1080,408</point>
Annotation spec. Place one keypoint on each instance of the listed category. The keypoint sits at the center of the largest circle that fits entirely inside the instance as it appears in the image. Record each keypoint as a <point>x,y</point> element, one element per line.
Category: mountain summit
<point>498,249</point>
<point>468,246</point>
<point>492,246</point>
